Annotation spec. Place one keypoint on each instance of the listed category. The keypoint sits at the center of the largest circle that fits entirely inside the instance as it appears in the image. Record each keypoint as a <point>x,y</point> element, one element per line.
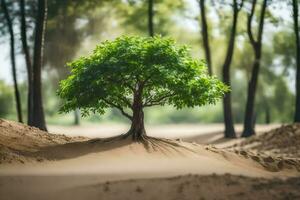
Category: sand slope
<point>17,140</point>
<point>283,141</point>
<point>62,154</point>
<point>37,165</point>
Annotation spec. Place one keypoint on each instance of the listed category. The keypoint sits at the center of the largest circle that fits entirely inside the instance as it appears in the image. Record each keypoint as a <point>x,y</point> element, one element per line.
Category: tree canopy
<point>164,72</point>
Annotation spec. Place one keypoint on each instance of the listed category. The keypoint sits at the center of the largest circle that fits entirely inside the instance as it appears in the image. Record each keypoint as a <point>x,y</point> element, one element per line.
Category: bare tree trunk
<point>150,18</point>
<point>256,45</point>
<point>38,118</point>
<point>296,30</point>
<point>268,114</point>
<point>204,31</point>
<point>13,60</point>
<point>76,116</point>
<point>228,119</point>
<point>25,49</point>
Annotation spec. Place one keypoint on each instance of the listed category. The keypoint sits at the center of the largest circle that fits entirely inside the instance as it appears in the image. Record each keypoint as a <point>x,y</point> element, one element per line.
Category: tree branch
<point>125,101</point>
<point>261,21</point>
<point>249,22</point>
<point>240,6</point>
<point>120,108</point>
<point>157,101</point>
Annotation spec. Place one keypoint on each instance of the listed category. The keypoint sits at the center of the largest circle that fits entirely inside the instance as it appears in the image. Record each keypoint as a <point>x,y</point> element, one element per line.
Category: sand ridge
<point>283,142</point>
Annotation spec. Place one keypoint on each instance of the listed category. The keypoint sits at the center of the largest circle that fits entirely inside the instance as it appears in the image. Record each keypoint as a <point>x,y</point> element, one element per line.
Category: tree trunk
<point>228,119</point>
<point>150,18</point>
<point>38,118</point>
<point>249,122</point>
<point>13,60</point>
<point>25,49</point>
<point>296,30</point>
<point>205,38</point>
<point>268,115</point>
<point>76,116</point>
<point>137,129</point>
<point>249,114</point>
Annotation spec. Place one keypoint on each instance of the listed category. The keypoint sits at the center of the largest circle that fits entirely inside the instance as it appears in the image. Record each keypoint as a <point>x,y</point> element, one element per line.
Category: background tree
<point>150,18</point>
<point>26,52</point>
<point>257,48</point>
<point>131,73</point>
<point>227,110</point>
<point>13,59</point>
<point>205,38</point>
<point>63,17</point>
<point>129,11</point>
<point>38,117</point>
<point>296,30</point>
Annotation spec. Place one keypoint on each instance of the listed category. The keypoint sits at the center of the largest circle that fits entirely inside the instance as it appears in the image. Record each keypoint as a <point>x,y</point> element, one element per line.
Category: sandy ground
<point>200,133</point>
<point>38,165</point>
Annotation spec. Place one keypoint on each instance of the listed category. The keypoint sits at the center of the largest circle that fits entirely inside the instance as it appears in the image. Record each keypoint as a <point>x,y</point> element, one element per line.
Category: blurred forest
<point>75,27</point>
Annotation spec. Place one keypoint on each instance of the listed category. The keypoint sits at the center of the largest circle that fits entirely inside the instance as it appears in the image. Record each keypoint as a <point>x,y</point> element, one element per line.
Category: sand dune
<point>283,141</point>
<point>36,164</point>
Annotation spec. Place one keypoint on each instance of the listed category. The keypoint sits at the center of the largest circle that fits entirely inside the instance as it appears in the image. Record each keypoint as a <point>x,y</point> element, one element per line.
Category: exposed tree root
<point>110,139</point>
<point>151,144</point>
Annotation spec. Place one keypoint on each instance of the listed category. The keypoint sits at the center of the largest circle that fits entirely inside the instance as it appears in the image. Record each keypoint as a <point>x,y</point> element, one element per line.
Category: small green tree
<point>131,73</point>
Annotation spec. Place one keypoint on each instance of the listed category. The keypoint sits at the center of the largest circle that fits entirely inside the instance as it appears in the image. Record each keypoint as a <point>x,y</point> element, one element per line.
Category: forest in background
<point>74,28</point>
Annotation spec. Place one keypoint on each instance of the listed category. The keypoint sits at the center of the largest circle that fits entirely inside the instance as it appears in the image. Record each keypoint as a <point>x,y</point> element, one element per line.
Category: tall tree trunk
<point>13,60</point>
<point>76,116</point>
<point>38,118</point>
<point>268,114</point>
<point>227,110</point>
<point>256,45</point>
<point>296,30</point>
<point>25,49</point>
<point>150,18</point>
<point>205,39</point>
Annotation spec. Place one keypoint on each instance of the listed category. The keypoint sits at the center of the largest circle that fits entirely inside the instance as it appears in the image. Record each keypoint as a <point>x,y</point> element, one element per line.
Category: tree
<point>150,18</point>
<point>13,59</point>
<point>132,73</point>
<point>257,46</point>
<point>204,31</point>
<point>129,11</point>
<point>25,48</point>
<point>227,110</point>
<point>296,30</point>
<point>38,118</point>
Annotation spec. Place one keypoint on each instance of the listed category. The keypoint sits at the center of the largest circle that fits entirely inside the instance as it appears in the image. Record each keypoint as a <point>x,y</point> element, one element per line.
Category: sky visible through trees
<point>191,24</point>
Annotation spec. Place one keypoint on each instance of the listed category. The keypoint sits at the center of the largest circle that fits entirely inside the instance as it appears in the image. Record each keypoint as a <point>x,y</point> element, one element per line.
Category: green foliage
<point>162,71</point>
<point>6,99</point>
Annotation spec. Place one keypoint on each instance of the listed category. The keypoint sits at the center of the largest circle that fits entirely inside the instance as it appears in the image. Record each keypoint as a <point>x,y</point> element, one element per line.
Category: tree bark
<point>296,30</point>
<point>13,60</point>
<point>256,45</point>
<point>228,119</point>
<point>38,118</point>
<point>150,18</point>
<point>25,48</point>
<point>137,129</point>
<point>205,39</point>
